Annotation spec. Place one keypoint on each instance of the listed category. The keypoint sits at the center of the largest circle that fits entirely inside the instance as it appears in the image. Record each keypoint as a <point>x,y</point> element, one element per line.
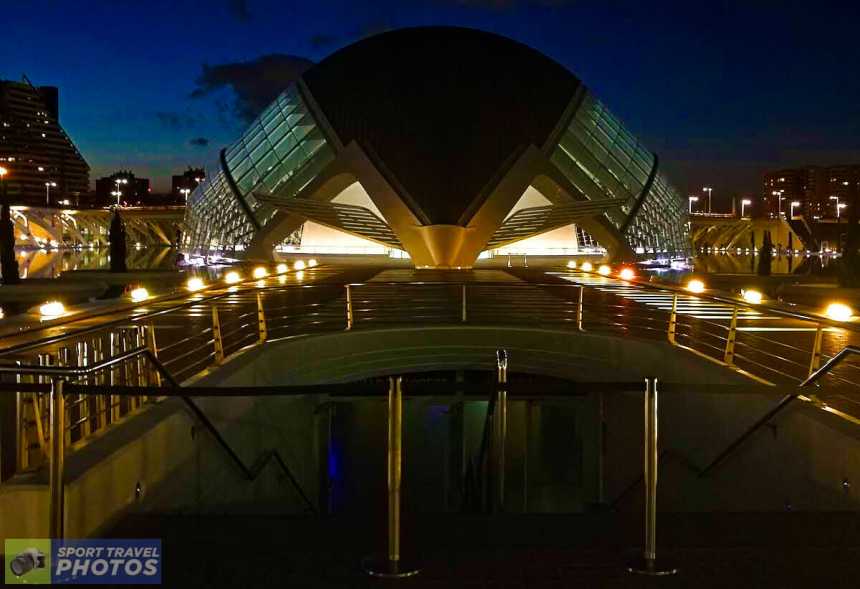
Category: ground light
<point>299,265</point>
<point>696,286</point>
<point>752,296</point>
<point>232,277</point>
<point>587,267</point>
<point>839,312</point>
<point>627,274</point>
<point>572,265</point>
<point>139,294</point>
<point>604,270</point>
<point>282,268</point>
<point>195,284</point>
<point>52,309</point>
<point>311,263</point>
<point>260,272</point>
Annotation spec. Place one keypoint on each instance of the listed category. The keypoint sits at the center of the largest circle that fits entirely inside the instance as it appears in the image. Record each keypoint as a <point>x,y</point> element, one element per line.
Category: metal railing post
<point>153,349</point>
<point>729,357</point>
<point>501,427</point>
<point>579,307</point>
<point>815,361</point>
<point>392,565</point>
<point>348,307</point>
<point>83,402</point>
<point>216,336</point>
<point>114,408</point>
<point>673,319</point>
<point>55,475</point>
<point>261,319</point>
<point>463,317</point>
<point>648,564</point>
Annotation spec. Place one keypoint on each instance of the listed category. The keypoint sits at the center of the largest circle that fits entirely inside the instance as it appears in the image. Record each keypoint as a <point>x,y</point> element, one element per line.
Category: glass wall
<point>602,160</point>
<point>282,150</point>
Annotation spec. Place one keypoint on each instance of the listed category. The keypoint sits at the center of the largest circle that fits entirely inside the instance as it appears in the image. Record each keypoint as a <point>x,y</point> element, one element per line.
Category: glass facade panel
<point>282,150</point>
<point>602,159</point>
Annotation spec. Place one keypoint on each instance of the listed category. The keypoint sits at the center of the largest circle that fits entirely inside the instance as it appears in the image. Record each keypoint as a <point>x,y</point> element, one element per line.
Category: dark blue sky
<point>720,90</point>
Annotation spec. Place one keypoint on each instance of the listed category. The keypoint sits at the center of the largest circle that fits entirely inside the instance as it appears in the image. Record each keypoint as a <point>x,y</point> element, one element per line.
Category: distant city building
<point>822,192</point>
<point>188,180</point>
<point>123,187</point>
<point>44,164</point>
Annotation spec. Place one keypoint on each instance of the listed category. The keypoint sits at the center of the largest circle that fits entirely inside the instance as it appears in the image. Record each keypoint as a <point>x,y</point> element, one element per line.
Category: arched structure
<point>444,129</point>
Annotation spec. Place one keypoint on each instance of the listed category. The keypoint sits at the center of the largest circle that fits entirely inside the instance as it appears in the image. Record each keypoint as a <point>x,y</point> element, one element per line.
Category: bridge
<point>72,228</point>
<point>730,232</point>
<point>102,400</point>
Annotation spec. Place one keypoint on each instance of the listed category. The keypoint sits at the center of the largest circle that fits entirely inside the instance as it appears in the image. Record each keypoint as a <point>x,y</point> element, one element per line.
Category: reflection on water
<point>51,263</point>
<point>725,263</point>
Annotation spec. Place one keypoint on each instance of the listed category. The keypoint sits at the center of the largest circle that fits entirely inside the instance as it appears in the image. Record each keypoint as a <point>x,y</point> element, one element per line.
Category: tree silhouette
<point>117,243</point>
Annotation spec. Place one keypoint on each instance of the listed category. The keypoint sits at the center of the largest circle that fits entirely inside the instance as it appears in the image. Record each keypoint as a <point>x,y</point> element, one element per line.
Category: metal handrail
<point>779,407</point>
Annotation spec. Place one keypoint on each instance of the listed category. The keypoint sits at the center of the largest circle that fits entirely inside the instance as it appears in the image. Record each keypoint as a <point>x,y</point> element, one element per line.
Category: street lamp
<point>118,192</point>
<point>709,190</point>
<point>839,205</point>
<point>794,203</point>
<point>186,192</point>
<point>779,199</point>
<point>48,186</point>
<point>692,200</point>
<point>745,203</point>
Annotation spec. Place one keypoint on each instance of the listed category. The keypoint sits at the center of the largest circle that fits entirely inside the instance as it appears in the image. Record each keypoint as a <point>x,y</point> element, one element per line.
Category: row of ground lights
<point>835,311</point>
<point>54,309</point>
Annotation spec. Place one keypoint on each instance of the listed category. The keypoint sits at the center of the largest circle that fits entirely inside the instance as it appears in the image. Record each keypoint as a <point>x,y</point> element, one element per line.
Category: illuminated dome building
<point>441,142</point>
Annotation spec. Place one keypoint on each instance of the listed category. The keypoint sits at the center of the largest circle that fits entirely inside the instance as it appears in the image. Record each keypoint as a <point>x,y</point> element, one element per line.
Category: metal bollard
<point>55,475</point>
<point>501,426</point>
<point>648,563</point>
<point>673,319</point>
<point>153,349</point>
<point>392,565</point>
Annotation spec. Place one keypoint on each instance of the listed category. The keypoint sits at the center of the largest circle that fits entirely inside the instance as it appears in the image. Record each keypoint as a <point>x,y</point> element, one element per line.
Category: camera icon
<point>26,561</point>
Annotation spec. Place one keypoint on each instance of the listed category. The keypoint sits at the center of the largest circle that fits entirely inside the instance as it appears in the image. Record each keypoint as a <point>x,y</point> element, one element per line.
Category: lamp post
<point>794,203</point>
<point>744,203</point>
<point>186,192</point>
<point>709,190</point>
<point>779,199</point>
<point>692,200</point>
<point>48,186</point>
<point>839,206</point>
<point>118,192</point>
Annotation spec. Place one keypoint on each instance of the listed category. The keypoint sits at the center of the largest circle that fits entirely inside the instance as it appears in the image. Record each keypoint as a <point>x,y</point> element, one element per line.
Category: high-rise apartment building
<point>820,192</point>
<point>44,166</point>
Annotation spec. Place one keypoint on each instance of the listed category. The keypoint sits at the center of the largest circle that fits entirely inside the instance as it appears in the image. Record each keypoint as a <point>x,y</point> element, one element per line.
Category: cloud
<point>239,10</point>
<point>254,83</point>
<point>199,142</point>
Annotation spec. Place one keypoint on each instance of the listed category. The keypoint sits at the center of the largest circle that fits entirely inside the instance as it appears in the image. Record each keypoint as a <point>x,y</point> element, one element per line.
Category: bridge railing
<point>197,335</point>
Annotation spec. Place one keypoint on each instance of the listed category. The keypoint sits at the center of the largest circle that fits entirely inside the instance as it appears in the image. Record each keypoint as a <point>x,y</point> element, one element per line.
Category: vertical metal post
<point>395,429</point>
<point>730,342</point>
<point>392,565</point>
<point>463,318</point>
<point>83,401</point>
<point>153,349</point>
<point>101,400</point>
<point>142,380</point>
<point>261,319</point>
<point>673,319</point>
<point>579,308</point>
<point>216,335</point>
<point>648,564</point>
<point>348,307</point>
<point>815,361</point>
<point>601,449</point>
<point>501,427</point>
<point>55,475</point>
<point>114,408</point>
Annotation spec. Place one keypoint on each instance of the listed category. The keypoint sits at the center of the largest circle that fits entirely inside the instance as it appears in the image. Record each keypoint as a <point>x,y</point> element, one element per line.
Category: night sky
<point>720,90</point>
